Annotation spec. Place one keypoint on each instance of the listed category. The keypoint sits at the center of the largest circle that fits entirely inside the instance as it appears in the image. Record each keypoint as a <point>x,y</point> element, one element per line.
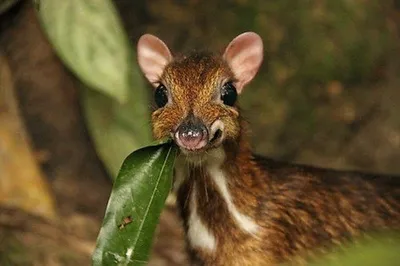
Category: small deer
<point>239,208</point>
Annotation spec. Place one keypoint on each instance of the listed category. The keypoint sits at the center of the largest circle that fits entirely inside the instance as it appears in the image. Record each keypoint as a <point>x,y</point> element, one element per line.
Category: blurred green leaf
<point>118,128</point>
<point>379,250</point>
<point>134,207</point>
<point>6,4</point>
<point>88,36</point>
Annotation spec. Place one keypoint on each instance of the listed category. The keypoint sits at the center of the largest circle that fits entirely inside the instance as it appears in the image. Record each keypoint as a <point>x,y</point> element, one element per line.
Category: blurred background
<point>327,95</point>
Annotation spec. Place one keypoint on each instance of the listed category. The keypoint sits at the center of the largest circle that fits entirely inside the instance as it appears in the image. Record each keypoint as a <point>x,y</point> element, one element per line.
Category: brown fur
<point>300,209</point>
<point>192,82</point>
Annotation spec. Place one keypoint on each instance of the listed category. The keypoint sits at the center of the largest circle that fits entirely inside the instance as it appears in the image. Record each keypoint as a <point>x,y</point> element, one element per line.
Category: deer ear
<point>153,55</point>
<point>244,55</point>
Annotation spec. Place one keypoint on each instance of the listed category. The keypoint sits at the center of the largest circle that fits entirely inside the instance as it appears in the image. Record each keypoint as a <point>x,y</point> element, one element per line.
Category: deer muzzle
<point>191,135</point>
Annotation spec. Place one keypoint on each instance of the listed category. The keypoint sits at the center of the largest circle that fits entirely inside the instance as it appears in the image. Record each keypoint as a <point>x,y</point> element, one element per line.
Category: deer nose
<point>191,135</point>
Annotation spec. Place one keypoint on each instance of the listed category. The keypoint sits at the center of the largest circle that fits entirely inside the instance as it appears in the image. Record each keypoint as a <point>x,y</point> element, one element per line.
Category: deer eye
<point>228,94</point>
<point>160,96</point>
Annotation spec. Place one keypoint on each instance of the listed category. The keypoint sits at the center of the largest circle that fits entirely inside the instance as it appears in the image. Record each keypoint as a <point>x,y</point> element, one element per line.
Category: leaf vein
<point>151,199</point>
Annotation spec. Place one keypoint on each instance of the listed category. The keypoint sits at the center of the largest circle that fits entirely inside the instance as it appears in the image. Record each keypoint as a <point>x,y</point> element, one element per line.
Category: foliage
<point>136,201</point>
<point>117,128</point>
<point>379,250</point>
<point>89,38</point>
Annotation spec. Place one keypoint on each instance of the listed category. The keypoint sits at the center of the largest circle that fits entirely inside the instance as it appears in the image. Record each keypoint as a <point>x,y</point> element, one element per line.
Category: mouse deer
<point>239,208</point>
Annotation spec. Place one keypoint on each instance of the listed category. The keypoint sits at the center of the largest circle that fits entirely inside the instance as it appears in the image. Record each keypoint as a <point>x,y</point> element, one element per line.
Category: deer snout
<point>191,135</point>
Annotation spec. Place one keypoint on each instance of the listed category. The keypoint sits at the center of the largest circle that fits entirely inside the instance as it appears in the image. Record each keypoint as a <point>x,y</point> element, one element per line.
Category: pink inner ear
<point>153,55</point>
<point>244,55</point>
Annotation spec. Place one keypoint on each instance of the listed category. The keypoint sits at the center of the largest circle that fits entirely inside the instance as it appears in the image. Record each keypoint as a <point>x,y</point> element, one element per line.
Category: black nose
<point>192,135</point>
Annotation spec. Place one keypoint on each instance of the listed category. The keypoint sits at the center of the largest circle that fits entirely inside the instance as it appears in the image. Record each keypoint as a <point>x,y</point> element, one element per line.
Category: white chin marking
<point>198,234</point>
<point>219,178</point>
<point>217,125</point>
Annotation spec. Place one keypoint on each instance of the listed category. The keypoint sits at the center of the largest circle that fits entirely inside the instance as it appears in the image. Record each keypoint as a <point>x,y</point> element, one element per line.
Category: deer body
<point>238,208</point>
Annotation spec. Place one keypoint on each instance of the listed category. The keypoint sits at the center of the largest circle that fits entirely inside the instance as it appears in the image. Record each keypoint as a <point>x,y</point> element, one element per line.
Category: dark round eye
<point>228,94</point>
<point>160,96</point>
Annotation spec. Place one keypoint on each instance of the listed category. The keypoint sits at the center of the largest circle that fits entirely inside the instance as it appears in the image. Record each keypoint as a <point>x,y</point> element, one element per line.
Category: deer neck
<point>216,196</point>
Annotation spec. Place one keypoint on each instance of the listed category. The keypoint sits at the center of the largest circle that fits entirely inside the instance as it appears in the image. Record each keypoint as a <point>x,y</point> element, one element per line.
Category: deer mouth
<point>194,137</point>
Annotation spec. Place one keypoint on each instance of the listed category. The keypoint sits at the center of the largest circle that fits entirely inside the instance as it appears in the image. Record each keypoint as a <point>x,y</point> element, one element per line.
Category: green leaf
<point>89,38</point>
<point>117,128</point>
<point>134,207</point>
<point>378,250</point>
